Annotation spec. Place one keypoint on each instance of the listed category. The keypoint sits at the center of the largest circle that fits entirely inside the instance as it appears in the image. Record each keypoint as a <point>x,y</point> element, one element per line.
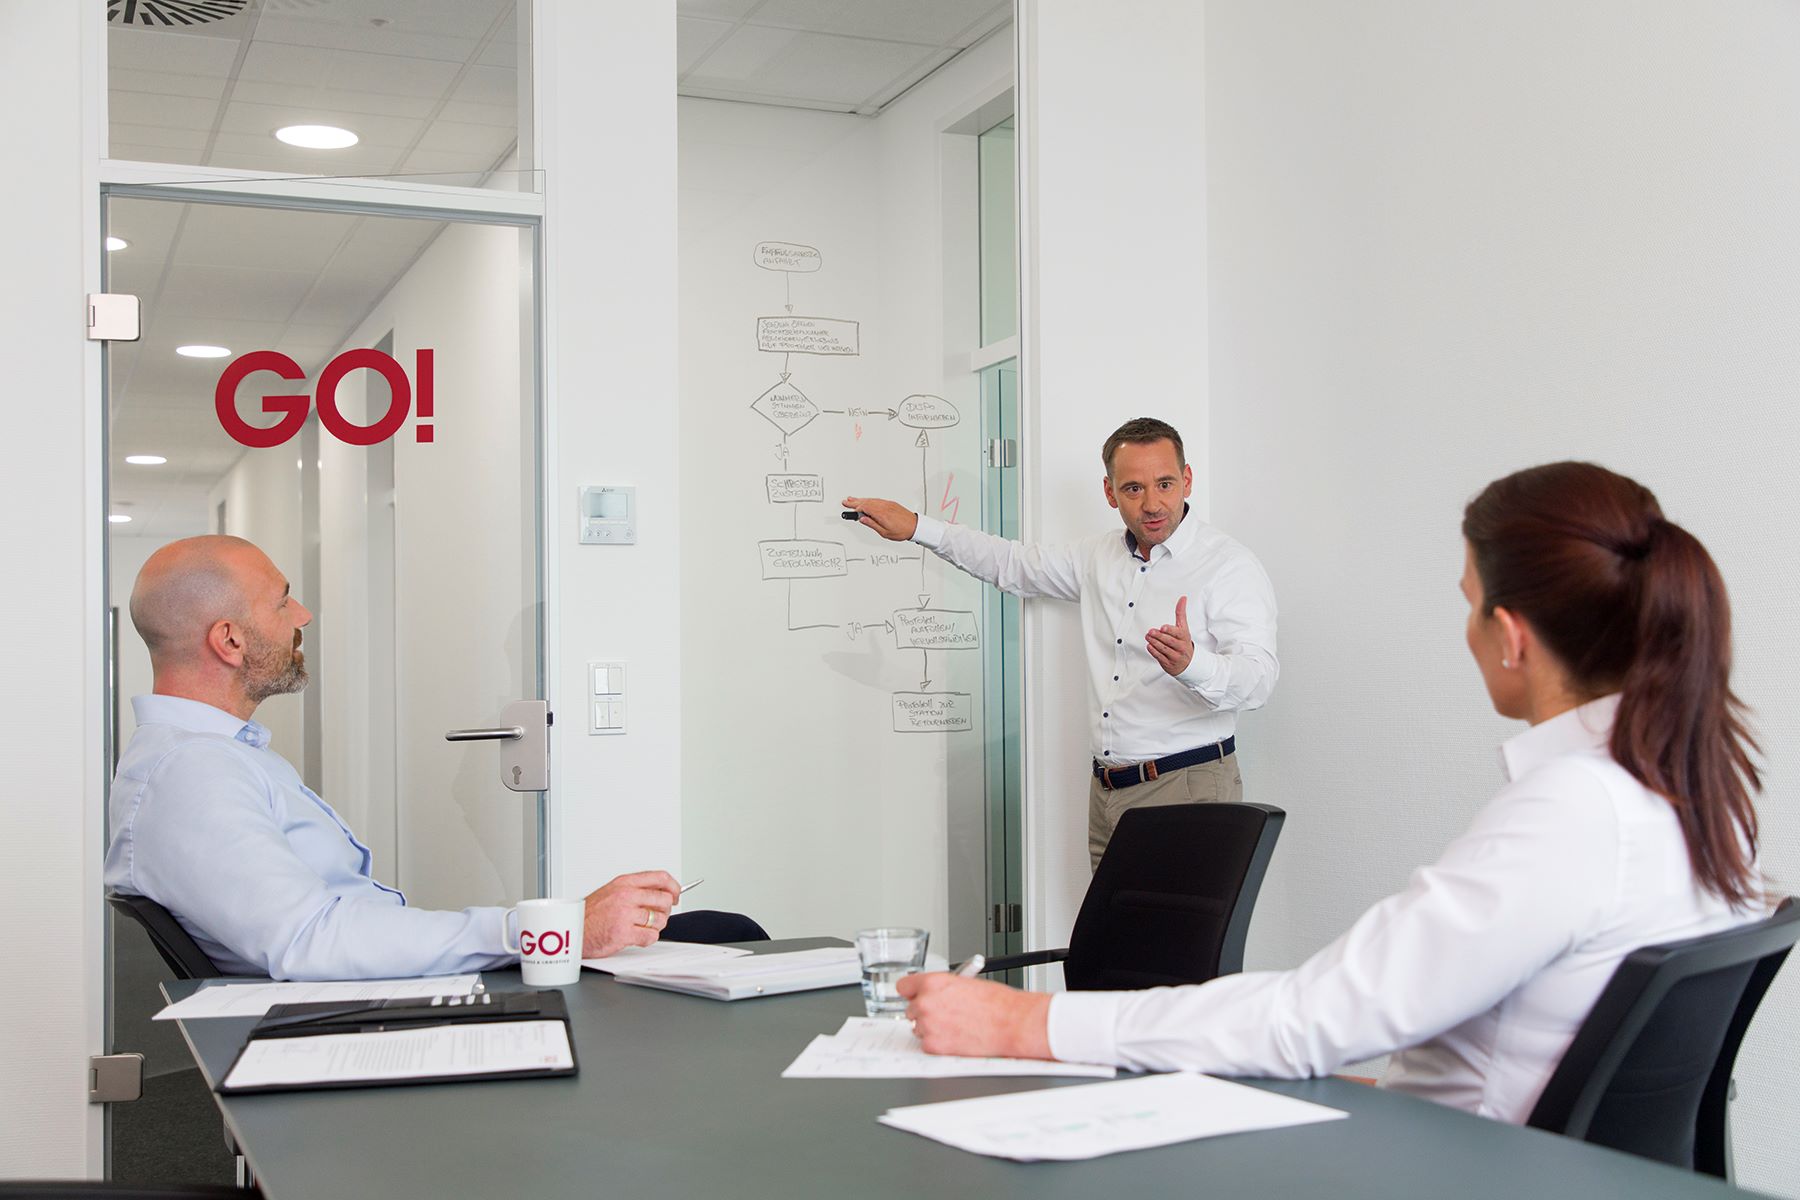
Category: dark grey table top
<point>682,1097</point>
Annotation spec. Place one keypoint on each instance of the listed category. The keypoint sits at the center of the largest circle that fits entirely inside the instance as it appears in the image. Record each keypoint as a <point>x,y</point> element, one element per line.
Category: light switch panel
<point>606,686</point>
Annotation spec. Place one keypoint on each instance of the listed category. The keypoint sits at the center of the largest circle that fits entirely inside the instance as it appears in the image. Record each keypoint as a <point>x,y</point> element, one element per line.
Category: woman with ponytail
<point>1626,820</point>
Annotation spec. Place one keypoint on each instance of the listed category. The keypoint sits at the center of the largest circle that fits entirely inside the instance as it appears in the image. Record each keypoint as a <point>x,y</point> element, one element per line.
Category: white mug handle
<point>506,938</point>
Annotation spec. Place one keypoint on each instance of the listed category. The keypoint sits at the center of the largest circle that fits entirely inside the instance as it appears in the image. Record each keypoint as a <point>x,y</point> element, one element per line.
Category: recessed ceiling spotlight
<point>316,137</point>
<point>203,352</point>
<point>117,518</point>
<point>116,243</point>
<point>145,460</point>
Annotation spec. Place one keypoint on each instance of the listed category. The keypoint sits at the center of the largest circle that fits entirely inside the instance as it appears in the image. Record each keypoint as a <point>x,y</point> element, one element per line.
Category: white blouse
<point>1479,973</point>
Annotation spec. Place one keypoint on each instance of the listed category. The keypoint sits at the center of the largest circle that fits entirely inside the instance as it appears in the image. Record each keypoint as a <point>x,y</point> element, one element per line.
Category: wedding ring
<point>649,921</point>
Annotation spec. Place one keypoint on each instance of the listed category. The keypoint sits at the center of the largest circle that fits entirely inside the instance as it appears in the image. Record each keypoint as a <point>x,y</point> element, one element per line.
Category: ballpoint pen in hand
<point>972,966</point>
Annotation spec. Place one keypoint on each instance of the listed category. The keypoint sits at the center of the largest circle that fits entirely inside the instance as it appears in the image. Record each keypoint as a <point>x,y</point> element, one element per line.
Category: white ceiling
<point>431,88</point>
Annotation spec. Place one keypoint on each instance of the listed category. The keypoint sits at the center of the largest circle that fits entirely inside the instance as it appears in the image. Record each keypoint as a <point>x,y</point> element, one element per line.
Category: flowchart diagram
<point>793,558</point>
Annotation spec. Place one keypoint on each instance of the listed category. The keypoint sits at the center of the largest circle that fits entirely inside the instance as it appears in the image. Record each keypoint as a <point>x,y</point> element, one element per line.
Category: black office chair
<point>1649,1071</point>
<point>183,955</point>
<point>1171,900</point>
<point>712,926</point>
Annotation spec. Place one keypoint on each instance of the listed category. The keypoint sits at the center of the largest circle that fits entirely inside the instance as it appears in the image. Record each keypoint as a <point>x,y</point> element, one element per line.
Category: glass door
<point>356,393</point>
<point>1003,674</point>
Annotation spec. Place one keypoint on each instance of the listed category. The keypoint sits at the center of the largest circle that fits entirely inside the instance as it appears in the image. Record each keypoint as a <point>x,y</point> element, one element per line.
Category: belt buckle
<point>1147,771</point>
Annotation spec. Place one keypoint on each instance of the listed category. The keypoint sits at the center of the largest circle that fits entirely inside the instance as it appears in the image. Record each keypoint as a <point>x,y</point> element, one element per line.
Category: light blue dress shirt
<point>218,829</point>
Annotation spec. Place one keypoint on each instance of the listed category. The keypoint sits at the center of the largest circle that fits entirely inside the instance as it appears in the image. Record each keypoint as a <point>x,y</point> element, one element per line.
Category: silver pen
<point>687,887</point>
<point>972,966</point>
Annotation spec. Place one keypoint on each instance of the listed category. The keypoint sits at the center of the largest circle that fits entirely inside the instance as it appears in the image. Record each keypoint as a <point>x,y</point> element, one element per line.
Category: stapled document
<point>255,999</point>
<point>1093,1119</point>
<point>755,975</point>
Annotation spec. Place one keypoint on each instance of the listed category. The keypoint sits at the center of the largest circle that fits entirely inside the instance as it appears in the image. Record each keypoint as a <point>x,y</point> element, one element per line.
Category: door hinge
<point>112,317</point>
<point>1015,922</point>
<point>1002,452</point>
<point>115,1078</point>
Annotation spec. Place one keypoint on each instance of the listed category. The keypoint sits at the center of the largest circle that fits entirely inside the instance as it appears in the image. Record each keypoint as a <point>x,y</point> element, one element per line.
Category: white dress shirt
<point>1138,710</point>
<point>1479,973</point>
<point>217,828</point>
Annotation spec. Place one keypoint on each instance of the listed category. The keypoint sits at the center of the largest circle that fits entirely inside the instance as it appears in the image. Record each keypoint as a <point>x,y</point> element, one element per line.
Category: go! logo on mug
<point>549,943</point>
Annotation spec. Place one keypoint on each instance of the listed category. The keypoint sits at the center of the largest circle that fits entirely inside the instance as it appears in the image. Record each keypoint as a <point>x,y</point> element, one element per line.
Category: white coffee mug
<point>549,945</point>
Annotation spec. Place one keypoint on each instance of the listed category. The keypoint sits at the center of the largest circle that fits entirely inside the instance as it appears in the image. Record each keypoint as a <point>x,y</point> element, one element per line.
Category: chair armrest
<point>1031,958</point>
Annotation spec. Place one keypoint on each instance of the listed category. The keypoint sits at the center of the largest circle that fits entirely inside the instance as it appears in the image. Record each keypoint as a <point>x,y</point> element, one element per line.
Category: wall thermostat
<point>609,515</point>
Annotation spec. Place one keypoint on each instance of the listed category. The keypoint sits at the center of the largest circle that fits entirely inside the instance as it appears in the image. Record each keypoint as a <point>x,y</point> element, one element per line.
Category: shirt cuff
<point>1081,1025</point>
<point>1202,669</point>
<point>929,533</point>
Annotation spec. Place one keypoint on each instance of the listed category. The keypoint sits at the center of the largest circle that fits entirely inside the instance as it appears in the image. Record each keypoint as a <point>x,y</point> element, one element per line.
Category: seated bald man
<point>218,828</point>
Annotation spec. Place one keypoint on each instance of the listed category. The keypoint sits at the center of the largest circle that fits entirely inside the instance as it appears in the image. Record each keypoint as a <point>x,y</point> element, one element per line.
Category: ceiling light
<point>145,460</point>
<point>118,518</point>
<point>116,243</point>
<point>203,351</point>
<point>316,137</point>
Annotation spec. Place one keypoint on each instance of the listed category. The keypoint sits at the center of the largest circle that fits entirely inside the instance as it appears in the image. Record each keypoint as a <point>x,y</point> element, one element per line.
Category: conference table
<point>682,1097</point>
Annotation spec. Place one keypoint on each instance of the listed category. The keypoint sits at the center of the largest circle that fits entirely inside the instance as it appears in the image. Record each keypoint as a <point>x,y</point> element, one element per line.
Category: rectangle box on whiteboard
<point>932,712</point>
<point>935,629</point>
<point>797,558</point>
<point>796,489</point>
<point>806,335</point>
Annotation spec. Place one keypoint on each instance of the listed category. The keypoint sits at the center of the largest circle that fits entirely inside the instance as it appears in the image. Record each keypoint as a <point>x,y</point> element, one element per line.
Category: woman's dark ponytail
<point>1631,602</point>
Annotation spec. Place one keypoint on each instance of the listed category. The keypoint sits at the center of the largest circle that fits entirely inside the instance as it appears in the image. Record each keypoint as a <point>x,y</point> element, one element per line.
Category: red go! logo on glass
<point>293,408</point>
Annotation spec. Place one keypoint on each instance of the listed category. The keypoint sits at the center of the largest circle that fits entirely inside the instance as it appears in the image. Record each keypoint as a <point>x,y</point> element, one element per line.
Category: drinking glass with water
<point>886,955</point>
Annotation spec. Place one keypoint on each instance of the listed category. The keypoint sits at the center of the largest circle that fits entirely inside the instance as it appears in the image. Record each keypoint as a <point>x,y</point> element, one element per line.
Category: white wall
<point>792,770</point>
<point>1114,327</point>
<point>1446,243</point>
<point>606,118</point>
<point>50,828</point>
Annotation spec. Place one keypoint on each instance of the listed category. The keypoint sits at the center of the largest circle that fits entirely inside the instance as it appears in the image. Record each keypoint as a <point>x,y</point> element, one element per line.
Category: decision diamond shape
<point>786,408</point>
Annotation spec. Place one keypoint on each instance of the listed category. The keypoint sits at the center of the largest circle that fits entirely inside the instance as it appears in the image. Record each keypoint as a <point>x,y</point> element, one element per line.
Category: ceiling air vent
<point>172,14</point>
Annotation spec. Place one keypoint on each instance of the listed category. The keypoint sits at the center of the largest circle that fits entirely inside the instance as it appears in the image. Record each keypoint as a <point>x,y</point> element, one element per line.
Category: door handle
<point>524,744</point>
<point>509,733</point>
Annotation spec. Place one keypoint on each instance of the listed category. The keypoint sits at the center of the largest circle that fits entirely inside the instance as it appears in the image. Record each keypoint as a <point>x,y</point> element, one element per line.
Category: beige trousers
<point>1205,783</point>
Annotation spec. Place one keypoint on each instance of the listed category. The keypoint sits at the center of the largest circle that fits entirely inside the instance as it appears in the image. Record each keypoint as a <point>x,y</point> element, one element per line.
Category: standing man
<point>1164,697</point>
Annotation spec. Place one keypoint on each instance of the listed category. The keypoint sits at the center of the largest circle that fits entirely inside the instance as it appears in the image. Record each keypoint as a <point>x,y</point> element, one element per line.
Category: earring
<point>1506,663</point>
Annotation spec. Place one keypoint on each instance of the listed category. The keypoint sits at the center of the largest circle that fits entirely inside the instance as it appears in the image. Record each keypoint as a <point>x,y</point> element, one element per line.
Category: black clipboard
<point>382,1016</point>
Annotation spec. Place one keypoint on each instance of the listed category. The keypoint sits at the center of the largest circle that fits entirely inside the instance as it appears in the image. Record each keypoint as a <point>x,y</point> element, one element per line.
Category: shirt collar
<point>196,717</point>
<point>1175,543</point>
<point>1587,728</point>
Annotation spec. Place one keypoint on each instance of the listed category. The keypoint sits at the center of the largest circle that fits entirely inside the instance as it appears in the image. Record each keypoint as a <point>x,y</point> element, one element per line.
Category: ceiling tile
<point>724,10</point>
<point>269,62</point>
<point>477,141</point>
<point>359,36</point>
<point>924,21</point>
<point>482,114</point>
<point>149,108</point>
<point>694,38</point>
<point>166,83</point>
<point>180,53</point>
<point>389,75</point>
<point>207,296</point>
<point>746,53</point>
<point>123,134</point>
<point>489,85</point>
<point>313,97</point>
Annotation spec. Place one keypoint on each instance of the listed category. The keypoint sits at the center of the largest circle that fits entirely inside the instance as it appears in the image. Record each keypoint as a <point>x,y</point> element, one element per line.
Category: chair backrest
<point>1649,1071</point>
<point>1171,900</point>
<point>181,952</point>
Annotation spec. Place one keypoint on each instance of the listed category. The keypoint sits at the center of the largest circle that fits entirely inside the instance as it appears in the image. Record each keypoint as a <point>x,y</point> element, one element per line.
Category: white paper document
<point>255,999</point>
<point>754,975</point>
<point>662,956</point>
<point>395,1055</point>
<point>874,1048</point>
<point>1105,1118</point>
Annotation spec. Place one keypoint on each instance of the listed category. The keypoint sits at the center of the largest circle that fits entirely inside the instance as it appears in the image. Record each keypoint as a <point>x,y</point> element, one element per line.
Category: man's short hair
<point>1142,431</point>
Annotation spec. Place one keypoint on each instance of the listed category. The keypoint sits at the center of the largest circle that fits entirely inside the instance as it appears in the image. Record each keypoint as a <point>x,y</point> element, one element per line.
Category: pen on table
<point>972,966</point>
